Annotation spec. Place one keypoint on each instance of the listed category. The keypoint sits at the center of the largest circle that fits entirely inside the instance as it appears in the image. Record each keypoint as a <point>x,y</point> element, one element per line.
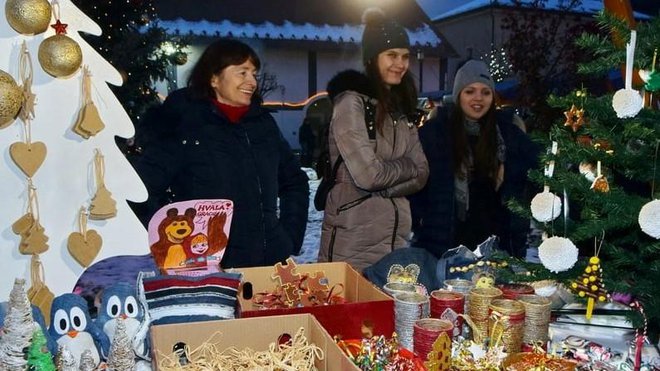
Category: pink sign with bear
<point>189,237</point>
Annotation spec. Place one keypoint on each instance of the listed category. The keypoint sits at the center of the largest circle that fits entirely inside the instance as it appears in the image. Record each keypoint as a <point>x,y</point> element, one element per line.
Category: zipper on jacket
<point>261,201</point>
<point>394,122</point>
<point>331,245</point>
<point>352,204</point>
<point>396,223</point>
<point>396,208</point>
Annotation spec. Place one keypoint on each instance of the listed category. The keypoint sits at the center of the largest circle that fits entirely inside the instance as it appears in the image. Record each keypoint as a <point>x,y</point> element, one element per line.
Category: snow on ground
<point>310,248</point>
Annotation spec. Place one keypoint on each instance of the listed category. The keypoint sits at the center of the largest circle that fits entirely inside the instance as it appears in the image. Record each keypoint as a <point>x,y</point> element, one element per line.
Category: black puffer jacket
<point>433,208</point>
<point>193,149</point>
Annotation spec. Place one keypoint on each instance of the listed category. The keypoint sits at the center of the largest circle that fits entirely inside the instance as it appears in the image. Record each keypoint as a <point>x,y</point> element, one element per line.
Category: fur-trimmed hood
<point>350,80</point>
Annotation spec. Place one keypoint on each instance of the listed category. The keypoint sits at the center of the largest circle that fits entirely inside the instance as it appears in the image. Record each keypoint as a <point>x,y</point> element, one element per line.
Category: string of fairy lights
<point>498,64</point>
<point>134,43</point>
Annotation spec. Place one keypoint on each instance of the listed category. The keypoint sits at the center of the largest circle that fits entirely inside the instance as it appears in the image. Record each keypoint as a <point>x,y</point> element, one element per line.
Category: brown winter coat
<point>367,214</point>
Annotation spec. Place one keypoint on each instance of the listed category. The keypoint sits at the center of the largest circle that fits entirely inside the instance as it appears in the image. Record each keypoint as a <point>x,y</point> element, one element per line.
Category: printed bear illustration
<point>173,232</point>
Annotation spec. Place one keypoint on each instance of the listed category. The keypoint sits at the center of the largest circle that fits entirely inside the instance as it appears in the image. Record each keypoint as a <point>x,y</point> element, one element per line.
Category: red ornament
<point>60,28</point>
<point>584,140</point>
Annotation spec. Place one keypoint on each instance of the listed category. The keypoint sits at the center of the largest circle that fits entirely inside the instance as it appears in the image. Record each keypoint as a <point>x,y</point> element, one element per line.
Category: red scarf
<point>233,113</point>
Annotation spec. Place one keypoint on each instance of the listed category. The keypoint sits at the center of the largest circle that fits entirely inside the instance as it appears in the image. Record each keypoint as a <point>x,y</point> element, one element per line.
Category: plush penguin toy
<point>120,302</point>
<point>71,326</point>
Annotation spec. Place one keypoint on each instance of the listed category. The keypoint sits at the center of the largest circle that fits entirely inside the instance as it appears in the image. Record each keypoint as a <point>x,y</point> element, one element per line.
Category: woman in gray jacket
<point>373,132</point>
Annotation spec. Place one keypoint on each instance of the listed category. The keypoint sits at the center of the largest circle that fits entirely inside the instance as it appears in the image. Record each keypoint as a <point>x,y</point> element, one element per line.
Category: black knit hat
<point>380,34</point>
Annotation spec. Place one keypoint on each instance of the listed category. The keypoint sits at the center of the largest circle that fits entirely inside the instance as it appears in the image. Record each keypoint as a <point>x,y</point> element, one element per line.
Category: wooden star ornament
<point>574,118</point>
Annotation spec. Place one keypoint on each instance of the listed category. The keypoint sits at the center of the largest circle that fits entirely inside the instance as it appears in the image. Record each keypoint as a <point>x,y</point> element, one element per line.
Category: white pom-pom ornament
<point>546,206</point>
<point>627,103</point>
<point>558,254</point>
<point>649,219</point>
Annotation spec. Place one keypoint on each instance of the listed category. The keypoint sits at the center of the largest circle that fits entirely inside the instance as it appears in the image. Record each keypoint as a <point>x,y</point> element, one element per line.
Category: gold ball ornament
<point>60,55</point>
<point>28,17</point>
<point>11,99</point>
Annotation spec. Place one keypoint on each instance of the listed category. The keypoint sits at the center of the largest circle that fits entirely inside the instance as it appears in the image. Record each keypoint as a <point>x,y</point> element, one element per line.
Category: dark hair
<point>216,57</point>
<point>401,98</point>
<point>485,161</point>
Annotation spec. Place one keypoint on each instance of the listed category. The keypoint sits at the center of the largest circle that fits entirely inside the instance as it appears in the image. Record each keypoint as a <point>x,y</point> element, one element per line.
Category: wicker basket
<point>537,318</point>
<point>479,300</point>
<point>507,316</point>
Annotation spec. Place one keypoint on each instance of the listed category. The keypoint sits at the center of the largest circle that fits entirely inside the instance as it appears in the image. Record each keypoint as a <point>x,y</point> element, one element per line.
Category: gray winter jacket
<point>367,214</point>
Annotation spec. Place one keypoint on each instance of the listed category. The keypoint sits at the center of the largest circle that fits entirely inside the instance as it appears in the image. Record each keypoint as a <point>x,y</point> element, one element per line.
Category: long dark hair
<point>485,160</point>
<point>216,57</point>
<point>401,98</point>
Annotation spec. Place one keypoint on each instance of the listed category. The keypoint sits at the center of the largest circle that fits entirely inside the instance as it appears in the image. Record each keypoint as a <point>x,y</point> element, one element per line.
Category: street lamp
<point>420,61</point>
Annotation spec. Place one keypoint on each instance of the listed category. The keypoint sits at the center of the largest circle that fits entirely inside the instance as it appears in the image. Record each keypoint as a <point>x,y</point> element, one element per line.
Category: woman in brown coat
<point>367,214</point>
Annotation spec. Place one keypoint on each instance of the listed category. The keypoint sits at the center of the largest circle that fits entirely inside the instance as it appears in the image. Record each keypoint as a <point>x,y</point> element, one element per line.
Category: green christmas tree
<point>133,42</point>
<point>39,358</point>
<point>141,50</point>
<point>591,135</point>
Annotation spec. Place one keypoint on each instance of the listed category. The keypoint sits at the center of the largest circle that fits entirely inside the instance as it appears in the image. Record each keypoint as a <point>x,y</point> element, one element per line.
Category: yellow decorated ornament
<point>60,55</point>
<point>28,17</point>
<point>590,285</point>
<point>483,280</point>
<point>11,99</point>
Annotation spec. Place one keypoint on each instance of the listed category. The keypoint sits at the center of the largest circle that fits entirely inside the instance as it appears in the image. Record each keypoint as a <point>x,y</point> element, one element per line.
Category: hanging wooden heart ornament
<point>84,248</point>
<point>28,156</point>
<point>85,245</point>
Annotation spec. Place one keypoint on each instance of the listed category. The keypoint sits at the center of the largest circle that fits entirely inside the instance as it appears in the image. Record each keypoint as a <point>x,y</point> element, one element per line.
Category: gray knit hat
<point>380,34</point>
<point>472,71</point>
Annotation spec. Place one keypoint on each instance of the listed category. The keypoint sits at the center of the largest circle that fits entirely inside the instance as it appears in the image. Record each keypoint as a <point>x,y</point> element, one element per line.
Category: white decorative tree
<point>18,328</point>
<point>66,179</point>
<point>87,362</point>
<point>121,356</point>
<point>65,360</point>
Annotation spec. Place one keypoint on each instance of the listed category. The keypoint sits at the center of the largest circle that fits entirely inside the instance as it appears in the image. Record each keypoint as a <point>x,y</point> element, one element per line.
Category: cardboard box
<point>255,333</point>
<point>365,302</point>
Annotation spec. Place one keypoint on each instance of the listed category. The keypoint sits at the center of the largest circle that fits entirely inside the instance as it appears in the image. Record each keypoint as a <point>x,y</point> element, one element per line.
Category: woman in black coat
<point>478,159</point>
<point>213,140</point>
